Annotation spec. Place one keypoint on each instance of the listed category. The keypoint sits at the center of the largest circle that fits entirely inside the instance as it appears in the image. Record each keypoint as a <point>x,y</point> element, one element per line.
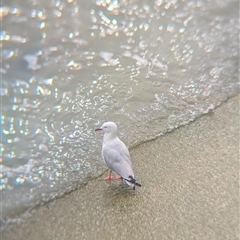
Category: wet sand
<point>190,191</point>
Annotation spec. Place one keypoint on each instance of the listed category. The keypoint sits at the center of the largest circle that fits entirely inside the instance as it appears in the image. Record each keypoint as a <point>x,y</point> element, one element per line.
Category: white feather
<point>115,153</point>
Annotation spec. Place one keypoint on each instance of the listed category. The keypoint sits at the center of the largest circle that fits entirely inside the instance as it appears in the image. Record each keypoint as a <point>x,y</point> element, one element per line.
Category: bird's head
<point>108,127</point>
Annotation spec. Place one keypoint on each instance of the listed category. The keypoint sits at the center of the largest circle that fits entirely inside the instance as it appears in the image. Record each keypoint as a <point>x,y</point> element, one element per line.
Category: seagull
<point>116,155</point>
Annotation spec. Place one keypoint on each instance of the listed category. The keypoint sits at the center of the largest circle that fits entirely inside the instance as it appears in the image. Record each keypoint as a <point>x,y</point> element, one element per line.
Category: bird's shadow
<point>117,186</point>
<point>118,194</point>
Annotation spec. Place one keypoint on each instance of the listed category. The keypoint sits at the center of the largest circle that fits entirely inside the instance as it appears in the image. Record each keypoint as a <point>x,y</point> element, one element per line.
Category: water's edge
<point>21,216</point>
<point>137,144</point>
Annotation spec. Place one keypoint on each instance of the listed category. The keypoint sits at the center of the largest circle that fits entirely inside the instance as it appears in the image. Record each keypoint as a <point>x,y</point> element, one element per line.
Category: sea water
<point>70,65</point>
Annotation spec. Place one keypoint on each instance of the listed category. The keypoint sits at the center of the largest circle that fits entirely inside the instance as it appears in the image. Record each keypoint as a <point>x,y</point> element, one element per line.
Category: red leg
<point>109,177</point>
<point>118,177</point>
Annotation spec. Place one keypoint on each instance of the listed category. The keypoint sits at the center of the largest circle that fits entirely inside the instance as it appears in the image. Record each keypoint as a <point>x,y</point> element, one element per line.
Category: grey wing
<point>117,163</point>
<point>123,150</point>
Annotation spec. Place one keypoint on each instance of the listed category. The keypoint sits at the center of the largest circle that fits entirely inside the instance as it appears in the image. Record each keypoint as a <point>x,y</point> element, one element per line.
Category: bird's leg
<point>109,177</point>
<point>118,177</point>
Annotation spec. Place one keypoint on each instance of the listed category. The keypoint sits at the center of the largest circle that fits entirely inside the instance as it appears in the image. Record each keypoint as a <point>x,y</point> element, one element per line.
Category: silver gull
<point>116,155</point>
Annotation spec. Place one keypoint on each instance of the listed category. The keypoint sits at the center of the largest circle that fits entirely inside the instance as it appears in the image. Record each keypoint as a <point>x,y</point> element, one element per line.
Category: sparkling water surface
<point>68,66</point>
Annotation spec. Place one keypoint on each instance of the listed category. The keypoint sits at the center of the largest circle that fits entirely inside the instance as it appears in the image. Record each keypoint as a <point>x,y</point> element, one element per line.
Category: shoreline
<point>189,190</point>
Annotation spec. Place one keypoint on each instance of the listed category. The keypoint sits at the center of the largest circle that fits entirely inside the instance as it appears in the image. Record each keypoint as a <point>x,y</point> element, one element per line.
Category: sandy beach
<point>190,190</point>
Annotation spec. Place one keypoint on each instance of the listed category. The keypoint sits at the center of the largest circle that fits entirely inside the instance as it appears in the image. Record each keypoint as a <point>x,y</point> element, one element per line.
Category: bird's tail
<point>133,181</point>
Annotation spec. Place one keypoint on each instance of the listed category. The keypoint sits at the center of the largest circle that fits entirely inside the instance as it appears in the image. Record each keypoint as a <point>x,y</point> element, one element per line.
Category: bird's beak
<point>98,129</point>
